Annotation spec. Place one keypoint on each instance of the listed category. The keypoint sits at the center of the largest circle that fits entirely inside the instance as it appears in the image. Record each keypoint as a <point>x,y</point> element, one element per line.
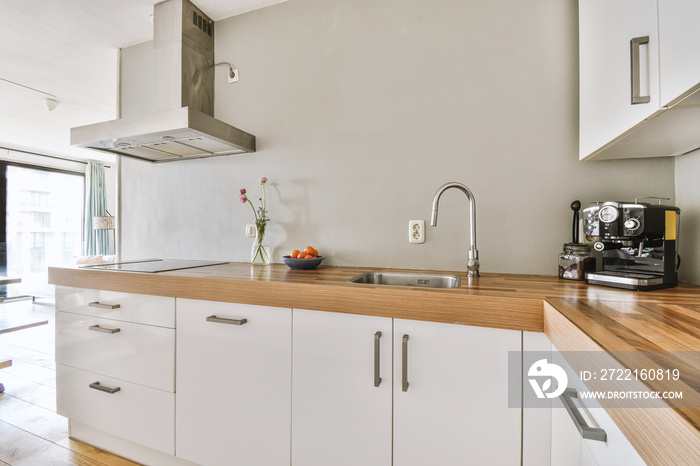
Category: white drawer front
<point>129,307</point>
<point>138,353</point>
<point>137,413</point>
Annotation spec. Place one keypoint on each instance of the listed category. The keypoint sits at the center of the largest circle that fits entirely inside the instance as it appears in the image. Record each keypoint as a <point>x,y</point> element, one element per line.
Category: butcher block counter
<point>575,316</point>
<point>506,301</point>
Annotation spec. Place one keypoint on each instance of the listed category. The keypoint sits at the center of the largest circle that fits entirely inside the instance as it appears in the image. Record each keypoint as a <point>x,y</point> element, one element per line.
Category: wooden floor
<point>31,433</point>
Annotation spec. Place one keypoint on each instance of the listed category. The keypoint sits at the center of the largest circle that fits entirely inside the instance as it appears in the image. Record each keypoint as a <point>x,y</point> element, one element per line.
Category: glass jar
<point>575,261</point>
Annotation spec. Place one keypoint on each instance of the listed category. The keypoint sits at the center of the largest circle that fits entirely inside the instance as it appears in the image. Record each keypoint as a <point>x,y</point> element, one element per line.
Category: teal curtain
<point>96,241</point>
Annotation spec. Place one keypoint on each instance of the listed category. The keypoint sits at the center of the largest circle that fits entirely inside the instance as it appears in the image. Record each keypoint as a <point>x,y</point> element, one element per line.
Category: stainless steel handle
<point>104,388</point>
<point>97,328</point>
<point>221,320</point>
<point>104,306</point>
<point>404,363</point>
<point>592,433</point>
<point>635,66</point>
<point>377,378</point>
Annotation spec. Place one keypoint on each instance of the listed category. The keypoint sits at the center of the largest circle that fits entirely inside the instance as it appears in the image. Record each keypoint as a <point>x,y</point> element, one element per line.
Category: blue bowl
<point>302,264</point>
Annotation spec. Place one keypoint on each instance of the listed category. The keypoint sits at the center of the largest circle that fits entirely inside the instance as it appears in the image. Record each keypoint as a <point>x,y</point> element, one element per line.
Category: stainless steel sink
<point>423,280</point>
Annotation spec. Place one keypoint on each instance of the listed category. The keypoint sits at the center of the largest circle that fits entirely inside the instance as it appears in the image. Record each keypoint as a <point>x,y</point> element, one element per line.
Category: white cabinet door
<point>606,28</point>
<point>568,446</point>
<point>454,410</point>
<point>341,407</point>
<point>233,380</point>
<point>679,47</point>
<point>537,421</point>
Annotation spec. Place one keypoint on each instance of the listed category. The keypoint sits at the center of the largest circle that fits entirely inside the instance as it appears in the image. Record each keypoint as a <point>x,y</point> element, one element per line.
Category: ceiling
<point>68,51</point>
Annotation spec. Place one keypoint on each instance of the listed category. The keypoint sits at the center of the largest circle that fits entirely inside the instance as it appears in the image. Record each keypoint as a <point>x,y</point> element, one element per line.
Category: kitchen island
<point>573,315</point>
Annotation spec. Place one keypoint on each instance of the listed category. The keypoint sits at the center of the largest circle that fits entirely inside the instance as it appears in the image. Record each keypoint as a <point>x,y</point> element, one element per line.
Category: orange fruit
<point>294,254</point>
<point>302,255</point>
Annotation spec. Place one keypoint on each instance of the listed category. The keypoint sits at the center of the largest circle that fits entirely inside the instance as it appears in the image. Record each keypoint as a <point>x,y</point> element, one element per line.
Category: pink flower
<point>243,199</point>
<point>263,180</point>
<point>242,191</point>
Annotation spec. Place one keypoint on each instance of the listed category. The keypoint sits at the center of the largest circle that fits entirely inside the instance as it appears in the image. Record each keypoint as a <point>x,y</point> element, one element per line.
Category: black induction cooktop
<point>152,265</point>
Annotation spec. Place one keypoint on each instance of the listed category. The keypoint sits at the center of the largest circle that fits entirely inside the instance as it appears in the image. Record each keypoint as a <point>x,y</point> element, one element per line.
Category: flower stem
<point>252,207</point>
<point>264,199</point>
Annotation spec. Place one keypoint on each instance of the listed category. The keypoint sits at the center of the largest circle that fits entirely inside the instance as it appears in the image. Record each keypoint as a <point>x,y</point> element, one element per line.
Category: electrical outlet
<point>233,76</point>
<point>250,230</point>
<point>416,231</point>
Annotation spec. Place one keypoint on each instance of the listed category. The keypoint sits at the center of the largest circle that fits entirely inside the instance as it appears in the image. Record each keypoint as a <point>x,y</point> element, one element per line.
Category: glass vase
<point>260,254</point>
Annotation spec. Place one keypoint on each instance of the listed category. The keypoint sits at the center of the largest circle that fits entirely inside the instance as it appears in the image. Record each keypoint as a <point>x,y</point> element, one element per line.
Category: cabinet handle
<point>104,388</point>
<point>104,306</point>
<point>587,432</point>
<point>221,320</point>
<point>404,363</point>
<point>635,66</point>
<point>97,328</point>
<point>377,378</point>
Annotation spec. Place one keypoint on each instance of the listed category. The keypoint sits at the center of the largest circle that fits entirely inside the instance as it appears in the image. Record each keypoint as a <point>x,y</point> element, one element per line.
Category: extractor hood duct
<point>183,124</point>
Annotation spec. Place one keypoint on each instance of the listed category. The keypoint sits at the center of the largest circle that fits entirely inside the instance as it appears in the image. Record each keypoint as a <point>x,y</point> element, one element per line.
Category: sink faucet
<point>473,253</point>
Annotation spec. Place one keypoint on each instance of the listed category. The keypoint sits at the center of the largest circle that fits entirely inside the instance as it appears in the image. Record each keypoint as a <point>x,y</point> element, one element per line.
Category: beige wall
<point>362,110</point>
<point>688,199</point>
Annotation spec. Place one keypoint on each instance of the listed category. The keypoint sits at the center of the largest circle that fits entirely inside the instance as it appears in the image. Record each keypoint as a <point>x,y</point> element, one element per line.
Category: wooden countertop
<point>576,317</point>
<point>506,301</point>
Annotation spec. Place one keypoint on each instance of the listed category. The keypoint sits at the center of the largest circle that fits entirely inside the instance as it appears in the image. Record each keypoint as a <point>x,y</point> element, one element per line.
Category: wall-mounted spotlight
<point>50,104</point>
<point>232,72</point>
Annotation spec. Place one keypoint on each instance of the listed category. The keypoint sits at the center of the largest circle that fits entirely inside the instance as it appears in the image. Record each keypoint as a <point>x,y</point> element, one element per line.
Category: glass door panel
<point>44,213</point>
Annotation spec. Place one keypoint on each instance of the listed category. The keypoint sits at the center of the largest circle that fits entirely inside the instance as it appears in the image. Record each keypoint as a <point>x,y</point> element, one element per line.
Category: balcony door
<point>43,214</point>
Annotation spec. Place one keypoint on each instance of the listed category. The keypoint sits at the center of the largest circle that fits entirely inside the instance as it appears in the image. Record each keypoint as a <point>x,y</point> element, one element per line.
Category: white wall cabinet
<point>679,47</point>
<point>233,383</point>
<point>451,395</point>
<point>342,389</point>
<point>611,125</point>
<point>606,28</point>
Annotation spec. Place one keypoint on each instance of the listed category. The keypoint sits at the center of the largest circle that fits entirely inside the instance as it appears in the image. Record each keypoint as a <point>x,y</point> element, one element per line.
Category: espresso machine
<point>638,242</point>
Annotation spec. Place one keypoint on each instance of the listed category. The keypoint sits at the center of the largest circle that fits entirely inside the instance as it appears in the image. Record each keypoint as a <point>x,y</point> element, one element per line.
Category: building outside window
<point>37,253</point>
<point>43,212</point>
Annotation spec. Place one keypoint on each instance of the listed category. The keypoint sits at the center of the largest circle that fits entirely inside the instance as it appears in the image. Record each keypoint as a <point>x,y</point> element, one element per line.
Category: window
<point>37,253</point>
<point>43,212</point>
<point>69,243</point>
<point>30,198</point>
<point>33,220</point>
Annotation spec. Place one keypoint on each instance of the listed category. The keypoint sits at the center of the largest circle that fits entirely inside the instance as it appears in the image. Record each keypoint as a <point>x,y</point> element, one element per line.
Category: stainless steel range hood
<point>182,125</point>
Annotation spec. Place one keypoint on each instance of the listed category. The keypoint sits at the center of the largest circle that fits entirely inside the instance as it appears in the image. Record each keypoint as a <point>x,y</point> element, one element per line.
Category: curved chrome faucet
<point>473,253</point>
